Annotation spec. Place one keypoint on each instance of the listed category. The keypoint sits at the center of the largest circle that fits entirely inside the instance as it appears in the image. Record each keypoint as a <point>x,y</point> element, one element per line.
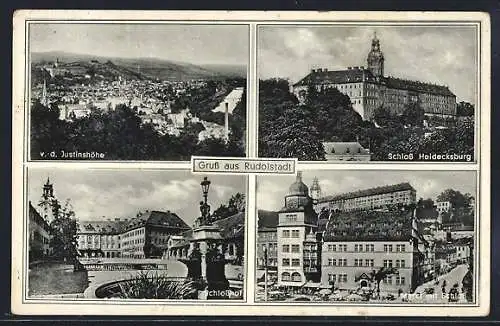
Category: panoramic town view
<point>332,236</point>
<point>383,93</point>
<point>94,96</point>
<point>111,234</point>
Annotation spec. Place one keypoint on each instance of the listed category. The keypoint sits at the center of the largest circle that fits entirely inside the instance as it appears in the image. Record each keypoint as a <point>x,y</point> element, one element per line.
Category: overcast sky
<point>197,44</point>
<point>271,190</point>
<point>95,193</point>
<point>441,55</point>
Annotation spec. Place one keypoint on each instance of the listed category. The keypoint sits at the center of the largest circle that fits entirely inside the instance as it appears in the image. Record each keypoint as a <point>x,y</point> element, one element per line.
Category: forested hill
<point>142,68</point>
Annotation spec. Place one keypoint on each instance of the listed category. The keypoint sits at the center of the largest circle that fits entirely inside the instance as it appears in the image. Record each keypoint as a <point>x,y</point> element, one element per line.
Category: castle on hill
<point>369,89</point>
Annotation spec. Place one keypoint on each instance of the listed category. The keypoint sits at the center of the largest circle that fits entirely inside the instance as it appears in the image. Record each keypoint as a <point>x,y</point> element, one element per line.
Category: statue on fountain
<point>205,218</point>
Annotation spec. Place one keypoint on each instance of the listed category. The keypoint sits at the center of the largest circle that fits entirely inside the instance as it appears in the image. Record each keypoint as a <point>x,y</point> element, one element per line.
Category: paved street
<point>454,276</point>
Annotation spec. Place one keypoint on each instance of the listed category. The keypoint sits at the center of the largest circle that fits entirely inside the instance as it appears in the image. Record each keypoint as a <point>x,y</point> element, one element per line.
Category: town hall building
<point>369,89</point>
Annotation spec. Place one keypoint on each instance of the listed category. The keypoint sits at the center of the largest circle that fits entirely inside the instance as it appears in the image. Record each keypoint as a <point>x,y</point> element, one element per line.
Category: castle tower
<point>375,58</point>
<point>48,201</point>
<point>315,190</point>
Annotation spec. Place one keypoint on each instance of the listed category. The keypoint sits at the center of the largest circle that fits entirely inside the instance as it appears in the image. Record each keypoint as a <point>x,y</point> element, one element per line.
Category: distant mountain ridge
<point>147,68</point>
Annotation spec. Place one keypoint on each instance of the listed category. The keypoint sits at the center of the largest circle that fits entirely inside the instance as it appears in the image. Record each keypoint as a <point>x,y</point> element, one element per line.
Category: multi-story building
<point>267,239</point>
<point>463,247</point>
<point>39,236</point>
<point>369,89</point>
<point>443,207</point>
<point>297,225</point>
<point>141,237</point>
<point>359,246</point>
<point>373,198</point>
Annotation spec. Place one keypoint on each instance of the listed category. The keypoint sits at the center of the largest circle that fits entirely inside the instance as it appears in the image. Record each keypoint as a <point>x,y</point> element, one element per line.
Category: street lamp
<point>205,185</point>
<point>265,273</point>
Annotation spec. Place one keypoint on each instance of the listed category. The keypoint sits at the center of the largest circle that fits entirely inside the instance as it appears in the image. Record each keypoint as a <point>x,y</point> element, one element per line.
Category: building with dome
<point>344,241</point>
<point>369,89</point>
<point>297,249</point>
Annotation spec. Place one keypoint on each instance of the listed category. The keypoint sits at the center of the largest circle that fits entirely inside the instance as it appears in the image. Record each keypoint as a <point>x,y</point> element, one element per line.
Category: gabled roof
<point>165,219</point>
<point>267,220</point>
<point>341,148</point>
<point>417,86</point>
<point>232,226</point>
<point>393,225</point>
<point>368,192</point>
<point>356,74</point>
<point>323,76</point>
<point>102,227</point>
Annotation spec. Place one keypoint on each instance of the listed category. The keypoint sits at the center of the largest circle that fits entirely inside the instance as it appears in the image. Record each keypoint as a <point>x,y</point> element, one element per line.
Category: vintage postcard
<point>335,236</point>
<point>405,92</point>
<point>140,234</point>
<point>162,92</point>
<point>251,163</point>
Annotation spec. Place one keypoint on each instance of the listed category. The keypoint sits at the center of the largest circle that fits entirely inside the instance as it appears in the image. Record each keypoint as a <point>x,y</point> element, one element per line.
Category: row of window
<point>369,247</point>
<point>290,233</point>
<point>134,233</point>
<point>295,248</point>
<point>399,248</point>
<point>342,278</point>
<point>359,262</point>
<point>295,262</point>
<point>400,263</point>
<point>337,278</point>
<point>398,280</point>
<point>294,277</point>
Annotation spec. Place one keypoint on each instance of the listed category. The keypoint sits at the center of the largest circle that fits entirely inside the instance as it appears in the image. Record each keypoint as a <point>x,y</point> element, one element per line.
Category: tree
<point>413,115</point>
<point>461,208</point>
<point>293,134</point>
<point>236,204</point>
<point>64,227</point>
<point>455,197</point>
<point>465,109</point>
<point>380,274</point>
<point>425,203</point>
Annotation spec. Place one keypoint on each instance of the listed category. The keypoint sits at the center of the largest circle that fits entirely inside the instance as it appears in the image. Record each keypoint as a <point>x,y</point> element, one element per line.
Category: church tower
<point>315,190</point>
<point>48,202</point>
<point>44,99</point>
<point>375,58</point>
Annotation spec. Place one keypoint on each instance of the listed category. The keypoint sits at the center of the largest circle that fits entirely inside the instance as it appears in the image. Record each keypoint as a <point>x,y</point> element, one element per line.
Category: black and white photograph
<point>368,93</point>
<point>375,237</point>
<point>134,234</point>
<point>117,91</point>
<point>250,163</point>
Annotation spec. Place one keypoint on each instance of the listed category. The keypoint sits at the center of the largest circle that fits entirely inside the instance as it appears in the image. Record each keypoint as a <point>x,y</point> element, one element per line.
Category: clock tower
<point>375,58</point>
<point>296,220</point>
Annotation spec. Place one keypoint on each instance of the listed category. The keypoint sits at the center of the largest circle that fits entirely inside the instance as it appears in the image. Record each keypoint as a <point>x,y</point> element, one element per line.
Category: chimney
<point>349,68</point>
<point>226,121</point>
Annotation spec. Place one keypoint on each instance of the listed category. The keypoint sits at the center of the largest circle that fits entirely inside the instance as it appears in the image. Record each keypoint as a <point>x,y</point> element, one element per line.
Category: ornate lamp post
<point>205,186</point>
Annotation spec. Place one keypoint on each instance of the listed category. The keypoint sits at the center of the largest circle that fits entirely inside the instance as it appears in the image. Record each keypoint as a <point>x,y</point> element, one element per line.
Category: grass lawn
<point>56,279</point>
